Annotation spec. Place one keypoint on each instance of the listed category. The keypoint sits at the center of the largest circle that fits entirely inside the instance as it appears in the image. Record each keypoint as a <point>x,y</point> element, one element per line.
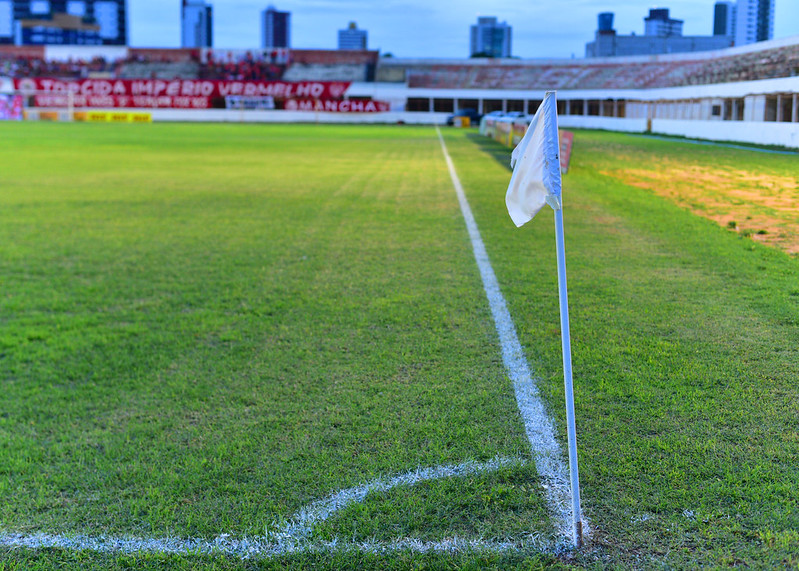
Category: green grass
<point>204,328</point>
<point>685,355</point>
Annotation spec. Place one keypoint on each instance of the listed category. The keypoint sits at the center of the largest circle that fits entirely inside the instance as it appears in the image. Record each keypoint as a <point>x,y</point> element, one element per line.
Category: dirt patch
<point>762,206</point>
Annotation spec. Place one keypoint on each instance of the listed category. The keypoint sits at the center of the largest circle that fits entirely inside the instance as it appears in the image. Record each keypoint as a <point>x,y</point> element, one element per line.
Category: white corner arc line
<point>538,425</point>
<point>294,536</point>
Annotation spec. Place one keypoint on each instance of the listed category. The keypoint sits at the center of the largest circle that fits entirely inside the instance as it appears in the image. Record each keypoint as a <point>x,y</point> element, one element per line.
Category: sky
<point>431,28</point>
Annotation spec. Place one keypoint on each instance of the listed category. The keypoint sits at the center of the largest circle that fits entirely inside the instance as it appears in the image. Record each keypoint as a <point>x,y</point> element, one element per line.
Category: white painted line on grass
<point>295,535</point>
<point>537,423</point>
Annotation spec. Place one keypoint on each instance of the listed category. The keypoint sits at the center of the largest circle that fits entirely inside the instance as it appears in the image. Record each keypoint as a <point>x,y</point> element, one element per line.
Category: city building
<point>659,24</point>
<point>196,21</point>
<point>352,38</point>
<point>754,21</point>
<point>663,35</point>
<point>275,28</point>
<point>724,19</point>
<point>80,22</point>
<point>490,38</point>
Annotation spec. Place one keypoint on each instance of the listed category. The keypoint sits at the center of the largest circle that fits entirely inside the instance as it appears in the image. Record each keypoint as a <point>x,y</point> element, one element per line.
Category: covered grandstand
<point>708,94</point>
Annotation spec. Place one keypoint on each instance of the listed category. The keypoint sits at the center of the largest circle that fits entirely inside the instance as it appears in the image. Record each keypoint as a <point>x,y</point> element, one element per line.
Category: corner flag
<point>536,166</point>
<point>536,181</point>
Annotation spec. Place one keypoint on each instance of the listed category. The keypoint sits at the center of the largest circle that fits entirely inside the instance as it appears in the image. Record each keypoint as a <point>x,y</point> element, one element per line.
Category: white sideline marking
<point>537,423</point>
<point>294,536</point>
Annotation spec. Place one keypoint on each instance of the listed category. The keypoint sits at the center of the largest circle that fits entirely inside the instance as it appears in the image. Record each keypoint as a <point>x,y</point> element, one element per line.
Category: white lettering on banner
<point>335,106</point>
<point>325,90</point>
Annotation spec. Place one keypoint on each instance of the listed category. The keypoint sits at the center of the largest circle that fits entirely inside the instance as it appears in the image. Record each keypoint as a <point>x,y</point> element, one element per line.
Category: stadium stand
<point>25,63</point>
<point>329,65</point>
<point>366,66</point>
<point>587,74</point>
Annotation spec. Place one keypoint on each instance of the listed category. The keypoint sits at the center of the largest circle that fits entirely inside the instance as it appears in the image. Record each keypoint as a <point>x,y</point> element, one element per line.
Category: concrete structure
<point>754,21</point>
<point>658,23</point>
<point>663,36</point>
<point>352,38</point>
<point>490,38</point>
<point>75,22</point>
<point>196,24</point>
<point>275,28</point>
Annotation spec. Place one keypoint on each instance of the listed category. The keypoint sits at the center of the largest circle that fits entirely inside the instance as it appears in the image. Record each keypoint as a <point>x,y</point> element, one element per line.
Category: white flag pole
<point>536,181</point>
<point>577,520</point>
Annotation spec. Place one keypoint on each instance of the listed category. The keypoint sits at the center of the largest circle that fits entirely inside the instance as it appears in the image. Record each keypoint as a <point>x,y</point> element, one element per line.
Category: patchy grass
<point>754,194</point>
<point>204,328</point>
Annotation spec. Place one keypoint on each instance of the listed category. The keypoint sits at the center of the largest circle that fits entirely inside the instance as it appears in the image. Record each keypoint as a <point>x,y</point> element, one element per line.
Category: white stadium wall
<point>603,123</point>
<point>758,133</point>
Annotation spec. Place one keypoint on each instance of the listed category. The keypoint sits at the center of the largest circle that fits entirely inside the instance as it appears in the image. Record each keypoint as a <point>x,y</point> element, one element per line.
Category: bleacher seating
<point>587,74</point>
<point>326,72</point>
<point>159,70</point>
<point>336,65</point>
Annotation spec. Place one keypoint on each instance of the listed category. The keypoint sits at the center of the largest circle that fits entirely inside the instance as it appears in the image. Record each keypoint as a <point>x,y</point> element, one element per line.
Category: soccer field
<point>227,341</point>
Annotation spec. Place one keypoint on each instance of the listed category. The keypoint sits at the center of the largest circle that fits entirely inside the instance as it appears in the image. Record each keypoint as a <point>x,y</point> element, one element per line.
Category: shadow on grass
<point>492,148</point>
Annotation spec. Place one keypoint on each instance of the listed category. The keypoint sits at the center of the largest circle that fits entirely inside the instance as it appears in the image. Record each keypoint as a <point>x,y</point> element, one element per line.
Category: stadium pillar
<point>795,114</point>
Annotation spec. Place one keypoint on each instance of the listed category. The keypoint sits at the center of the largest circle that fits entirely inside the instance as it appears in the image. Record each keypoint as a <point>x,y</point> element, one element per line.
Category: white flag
<point>536,166</point>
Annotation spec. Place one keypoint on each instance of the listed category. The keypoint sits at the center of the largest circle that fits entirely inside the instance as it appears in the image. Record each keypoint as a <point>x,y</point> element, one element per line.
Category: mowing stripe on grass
<point>294,536</point>
<point>537,423</point>
<point>718,144</point>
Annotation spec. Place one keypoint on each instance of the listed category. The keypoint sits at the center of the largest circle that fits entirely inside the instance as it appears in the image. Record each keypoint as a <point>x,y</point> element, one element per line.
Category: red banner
<point>336,106</point>
<point>185,88</point>
<point>62,100</point>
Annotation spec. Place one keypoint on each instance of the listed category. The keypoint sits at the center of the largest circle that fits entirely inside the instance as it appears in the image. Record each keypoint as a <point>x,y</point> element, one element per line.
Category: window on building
<point>739,110</point>
<point>715,111</point>
<point>107,16</point>
<point>76,8</point>
<point>443,105</point>
<point>771,109</point>
<point>728,109</point>
<point>6,18</point>
<point>40,7</point>
<point>532,107</point>
<point>490,105</point>
<point>786,105</point>
<point>418,104</point>
<point>515,105</point>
